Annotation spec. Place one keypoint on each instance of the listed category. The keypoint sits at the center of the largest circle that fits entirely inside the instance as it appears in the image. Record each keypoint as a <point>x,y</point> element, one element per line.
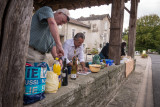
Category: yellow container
<point>95,67</point>
<point>57,70</point>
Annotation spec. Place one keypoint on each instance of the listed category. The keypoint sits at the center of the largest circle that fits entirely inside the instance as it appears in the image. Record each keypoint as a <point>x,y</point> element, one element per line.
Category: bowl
<point>94,67</point>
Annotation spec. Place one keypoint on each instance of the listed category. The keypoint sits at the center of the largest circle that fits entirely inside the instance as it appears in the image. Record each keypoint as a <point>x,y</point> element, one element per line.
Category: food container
<point>95,67</point>
<point>109,62</point>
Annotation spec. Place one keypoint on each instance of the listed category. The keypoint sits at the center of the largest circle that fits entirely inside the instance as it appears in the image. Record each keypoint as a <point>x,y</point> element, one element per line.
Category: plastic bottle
<point>57,70</point>
<point>104,61</point>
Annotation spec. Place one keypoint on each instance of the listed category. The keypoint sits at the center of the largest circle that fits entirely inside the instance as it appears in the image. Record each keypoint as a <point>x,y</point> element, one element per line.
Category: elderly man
<point>44,34</point>
<point>73,47</point>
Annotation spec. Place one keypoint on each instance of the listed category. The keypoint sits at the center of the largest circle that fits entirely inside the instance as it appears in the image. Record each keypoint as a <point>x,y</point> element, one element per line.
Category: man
<point>44,36</point>
<point>73,47</point>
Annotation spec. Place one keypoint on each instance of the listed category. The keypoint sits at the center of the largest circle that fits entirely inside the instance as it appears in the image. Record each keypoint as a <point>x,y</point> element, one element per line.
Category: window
<point>73,33</point>
<point>105,26</point>
<point>84,45</point>
<point>84,33</point>
<point>94,28</point>
<point>100,45</point>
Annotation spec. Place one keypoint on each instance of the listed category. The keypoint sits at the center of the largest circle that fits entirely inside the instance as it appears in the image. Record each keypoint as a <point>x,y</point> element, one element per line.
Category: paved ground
<point>136,91</point>
<point>156,79</point>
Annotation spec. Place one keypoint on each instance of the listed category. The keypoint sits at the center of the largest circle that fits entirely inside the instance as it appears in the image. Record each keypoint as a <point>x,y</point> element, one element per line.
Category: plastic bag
<point>51,82</point>
<point>35,78</point>
<point>96,59</point>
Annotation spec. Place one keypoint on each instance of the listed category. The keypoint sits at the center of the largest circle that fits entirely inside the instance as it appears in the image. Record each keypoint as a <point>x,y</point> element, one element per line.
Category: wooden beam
<point>117,16</point>
<point>74,6</point>
<point>126,9</point>
<point>98,3</point>
<point>14,49</point>
<point>88,4</point>
<point>132,28</point>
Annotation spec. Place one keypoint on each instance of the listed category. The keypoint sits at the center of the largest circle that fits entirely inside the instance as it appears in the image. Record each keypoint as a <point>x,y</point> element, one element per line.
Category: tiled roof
<point>74,21</point>
<point>94,17</point>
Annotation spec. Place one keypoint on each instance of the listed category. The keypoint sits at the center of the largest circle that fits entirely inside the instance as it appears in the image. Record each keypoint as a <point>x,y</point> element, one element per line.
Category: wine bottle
<point>74,69</point>
<point>64,74</point>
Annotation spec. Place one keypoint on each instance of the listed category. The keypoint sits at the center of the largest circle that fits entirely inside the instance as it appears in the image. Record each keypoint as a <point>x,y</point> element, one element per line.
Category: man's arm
<point>53,52</point>
<point>81,58</point>
<point>54,55</point>
<point>54,31</point>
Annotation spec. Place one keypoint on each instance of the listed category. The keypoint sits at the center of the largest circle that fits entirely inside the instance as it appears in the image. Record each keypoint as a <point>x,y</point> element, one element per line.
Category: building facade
<point>95,27</point>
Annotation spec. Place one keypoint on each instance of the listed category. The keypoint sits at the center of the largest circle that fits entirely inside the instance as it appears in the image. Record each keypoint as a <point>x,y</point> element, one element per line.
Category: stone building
<point>95,27</point>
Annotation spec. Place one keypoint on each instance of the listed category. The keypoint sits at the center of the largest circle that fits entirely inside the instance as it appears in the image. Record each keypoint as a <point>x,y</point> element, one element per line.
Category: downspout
<point>67,31</point>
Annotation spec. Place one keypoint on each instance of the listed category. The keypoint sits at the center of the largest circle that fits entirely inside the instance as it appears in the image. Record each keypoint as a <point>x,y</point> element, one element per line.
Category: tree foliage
<point>125,35</point>
<point>148,33</point>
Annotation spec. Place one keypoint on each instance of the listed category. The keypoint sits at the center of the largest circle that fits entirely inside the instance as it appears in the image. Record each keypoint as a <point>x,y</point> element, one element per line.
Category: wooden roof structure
<point>70,4</point>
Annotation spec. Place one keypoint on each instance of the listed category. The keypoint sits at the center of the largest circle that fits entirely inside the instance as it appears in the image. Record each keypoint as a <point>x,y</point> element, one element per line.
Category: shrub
<point>158,50</point>
<point>153,50</point>
<point>144,55</point>
<point>94,51</point>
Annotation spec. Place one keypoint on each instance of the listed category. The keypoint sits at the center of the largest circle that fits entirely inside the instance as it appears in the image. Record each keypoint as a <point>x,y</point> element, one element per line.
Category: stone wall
<point>92,90</point>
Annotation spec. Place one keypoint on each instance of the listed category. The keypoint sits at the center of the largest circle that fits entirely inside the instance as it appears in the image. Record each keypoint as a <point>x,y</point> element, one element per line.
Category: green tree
<point>148,33</point>
<point>125,35</point>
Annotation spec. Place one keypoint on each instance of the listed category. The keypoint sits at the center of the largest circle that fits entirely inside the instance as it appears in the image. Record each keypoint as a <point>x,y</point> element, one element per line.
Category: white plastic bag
<point>51,82</point>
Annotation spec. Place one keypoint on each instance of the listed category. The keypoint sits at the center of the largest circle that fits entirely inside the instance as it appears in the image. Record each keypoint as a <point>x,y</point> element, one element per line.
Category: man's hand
<point>59,50</point>
<point>70,64</point>
<point>54,52</point>
<point>61,62</point>
<point>85,69</point>
<point>83,66</point>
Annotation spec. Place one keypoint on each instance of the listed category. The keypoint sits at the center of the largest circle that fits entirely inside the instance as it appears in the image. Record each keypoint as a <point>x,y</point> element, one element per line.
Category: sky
<point>145,7</point>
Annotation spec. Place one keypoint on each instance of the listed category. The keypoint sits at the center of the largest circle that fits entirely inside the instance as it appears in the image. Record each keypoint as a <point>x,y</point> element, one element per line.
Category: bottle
<point>74,69</point>
<point>104,61</point>
<point>57,67</point>
<point>57,70</point>
<point>64,74</point>
<point>77,60</point>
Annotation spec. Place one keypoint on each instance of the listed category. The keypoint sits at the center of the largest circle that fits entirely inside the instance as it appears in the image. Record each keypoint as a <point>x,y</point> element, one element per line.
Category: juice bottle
<point>57,67</point>
<point>57,70</point>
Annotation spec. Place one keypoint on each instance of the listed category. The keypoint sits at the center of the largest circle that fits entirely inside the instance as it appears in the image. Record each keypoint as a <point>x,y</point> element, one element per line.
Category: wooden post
<point>15,21</point>
<point>117,16</point>
<point>132,28</point>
